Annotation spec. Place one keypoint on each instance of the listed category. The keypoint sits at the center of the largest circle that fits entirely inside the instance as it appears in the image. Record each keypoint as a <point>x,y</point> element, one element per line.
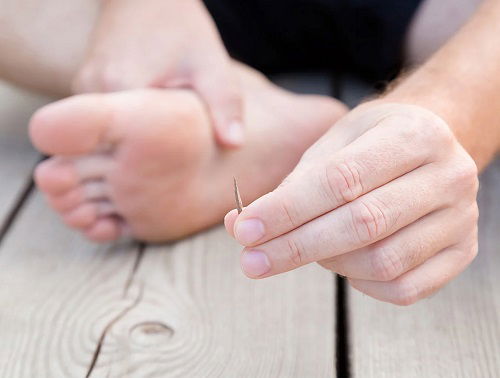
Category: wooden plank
<point>70,308</point>
<point>58,295</point>
<point>200,317</point>
<point>455,333</point>
<point>189,311</point>
<point>17,157</point>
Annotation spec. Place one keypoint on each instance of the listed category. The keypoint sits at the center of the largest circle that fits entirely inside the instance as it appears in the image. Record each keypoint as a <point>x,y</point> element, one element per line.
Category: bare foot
<point>145,163</point>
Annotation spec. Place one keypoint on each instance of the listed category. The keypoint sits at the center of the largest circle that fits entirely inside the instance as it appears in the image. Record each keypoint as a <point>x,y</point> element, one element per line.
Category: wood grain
<point>57,294</point>
<point>187,311</point>
<point>455,333</point>
<point>198,316</point>
<point>69,308</point>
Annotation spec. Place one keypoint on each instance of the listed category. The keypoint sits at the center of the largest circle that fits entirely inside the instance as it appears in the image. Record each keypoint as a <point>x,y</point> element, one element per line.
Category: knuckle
<point>440,132</point>
<point>429,131</point>
<point>286,209</point>
<point>295,252</point>
<point>342,181</point>
<point>471,215</point>
<point>466,175</point>
<point>473,251</point>
<point>411,132</point>
<point>405,293</point>
<point>386,264</point>
<point>369,220</point>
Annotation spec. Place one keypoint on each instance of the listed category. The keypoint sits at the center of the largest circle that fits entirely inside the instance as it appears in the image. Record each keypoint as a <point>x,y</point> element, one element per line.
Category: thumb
<point>220,90</point>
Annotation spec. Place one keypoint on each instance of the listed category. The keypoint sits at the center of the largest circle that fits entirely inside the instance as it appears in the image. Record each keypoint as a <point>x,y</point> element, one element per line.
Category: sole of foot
<point>144,163</point>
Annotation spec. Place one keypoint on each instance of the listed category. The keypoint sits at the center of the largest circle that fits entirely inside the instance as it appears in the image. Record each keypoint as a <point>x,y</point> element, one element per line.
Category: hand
<point>386,198</point>
<point>158,43</point>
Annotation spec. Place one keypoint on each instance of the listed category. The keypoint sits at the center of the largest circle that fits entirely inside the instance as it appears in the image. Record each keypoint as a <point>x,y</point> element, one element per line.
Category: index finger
<point>380,155</point>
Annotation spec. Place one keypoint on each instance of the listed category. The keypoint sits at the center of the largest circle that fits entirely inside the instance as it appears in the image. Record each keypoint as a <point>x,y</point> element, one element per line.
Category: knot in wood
<point>150,333</point>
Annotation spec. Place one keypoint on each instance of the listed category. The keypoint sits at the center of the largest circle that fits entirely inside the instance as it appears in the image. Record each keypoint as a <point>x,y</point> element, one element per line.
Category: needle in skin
<point>239,204</point>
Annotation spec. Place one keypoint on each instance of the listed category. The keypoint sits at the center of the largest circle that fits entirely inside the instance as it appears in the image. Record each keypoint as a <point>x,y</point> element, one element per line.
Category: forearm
<point>461,83</point>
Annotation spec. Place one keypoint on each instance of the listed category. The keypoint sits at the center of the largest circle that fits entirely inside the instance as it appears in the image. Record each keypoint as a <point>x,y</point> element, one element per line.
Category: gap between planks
<point>183,308</point>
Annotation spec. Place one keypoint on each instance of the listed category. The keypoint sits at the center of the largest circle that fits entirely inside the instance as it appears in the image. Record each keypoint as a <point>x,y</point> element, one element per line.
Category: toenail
<point>234,133</point>
<point>249,231</point>
<point>255,263</point>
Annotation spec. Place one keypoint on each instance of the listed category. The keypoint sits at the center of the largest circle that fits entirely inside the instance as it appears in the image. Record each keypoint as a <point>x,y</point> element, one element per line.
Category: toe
<point>72,126</point>
<point>94,166</point>
<point>56,176</point>
<point>87,214</point>
<point>66,201</point>
<point>104,230</point>
<point>87,191</point>
<point>82,217</point>
<point>95,190</point>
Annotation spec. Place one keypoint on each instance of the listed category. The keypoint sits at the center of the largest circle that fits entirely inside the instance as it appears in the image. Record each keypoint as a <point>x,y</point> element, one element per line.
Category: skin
<point>143,162</point>
<point>395,264</point>
<point>387,197</point>
<point>164,44</point>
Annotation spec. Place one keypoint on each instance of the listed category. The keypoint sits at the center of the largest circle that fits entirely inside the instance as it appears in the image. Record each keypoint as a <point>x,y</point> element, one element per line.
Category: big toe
<point>72,126</point>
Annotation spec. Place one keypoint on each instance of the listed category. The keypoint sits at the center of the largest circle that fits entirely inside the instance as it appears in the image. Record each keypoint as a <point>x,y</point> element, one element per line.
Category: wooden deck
<point>69,308</point>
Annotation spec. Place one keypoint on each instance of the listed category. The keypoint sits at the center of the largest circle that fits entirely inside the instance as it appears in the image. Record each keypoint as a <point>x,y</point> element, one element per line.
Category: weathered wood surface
<point>197,316</point>
<point>17,157</point>
<point>69,308</point>
<point>57,295</point>
<point>72,309</point>
<point>172,311</point>
<point>456,333</point>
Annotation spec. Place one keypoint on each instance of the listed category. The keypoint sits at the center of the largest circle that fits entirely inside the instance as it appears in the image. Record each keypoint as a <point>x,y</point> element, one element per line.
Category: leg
<point>145,160</point>
<point>42,42</point>
<point>433,24</point>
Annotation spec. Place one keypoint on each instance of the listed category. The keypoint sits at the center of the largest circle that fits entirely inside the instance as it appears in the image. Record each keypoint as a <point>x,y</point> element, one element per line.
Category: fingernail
<point>234,133</point>
<point>255,263</point>
<point>249,231</point>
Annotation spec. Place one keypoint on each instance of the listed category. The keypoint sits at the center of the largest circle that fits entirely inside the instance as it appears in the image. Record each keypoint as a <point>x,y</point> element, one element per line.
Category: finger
<point>229,220</point>
<point>397,254</point>
<point>370,218</point>
<point>220,91</point>
<point>378,156</point>
<point>424,280</point>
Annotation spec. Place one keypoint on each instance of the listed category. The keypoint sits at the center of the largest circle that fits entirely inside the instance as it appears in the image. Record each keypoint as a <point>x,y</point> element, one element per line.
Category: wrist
<point>434,92</point>
<point>477,130</point>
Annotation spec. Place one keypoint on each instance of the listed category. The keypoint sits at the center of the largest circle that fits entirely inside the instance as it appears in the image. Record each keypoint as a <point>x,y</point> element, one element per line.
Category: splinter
<point>239,204</point>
